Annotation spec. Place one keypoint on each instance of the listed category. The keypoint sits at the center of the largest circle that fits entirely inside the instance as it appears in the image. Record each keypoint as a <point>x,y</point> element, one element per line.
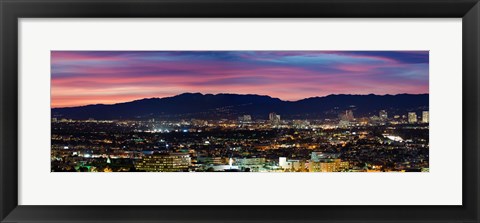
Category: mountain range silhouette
<point>231,106</point>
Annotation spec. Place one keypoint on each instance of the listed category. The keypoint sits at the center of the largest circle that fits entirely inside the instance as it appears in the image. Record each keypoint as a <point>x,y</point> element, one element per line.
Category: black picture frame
<point>12,10</point>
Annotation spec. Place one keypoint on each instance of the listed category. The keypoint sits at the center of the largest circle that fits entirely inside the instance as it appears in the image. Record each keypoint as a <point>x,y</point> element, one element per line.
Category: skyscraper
<point>274,118</point>
<point>412,117</point>
<point>425,117</point>
<point>245,118</point>
<point>383,115</point>
<point>348,115</point>
<point>271,116</point>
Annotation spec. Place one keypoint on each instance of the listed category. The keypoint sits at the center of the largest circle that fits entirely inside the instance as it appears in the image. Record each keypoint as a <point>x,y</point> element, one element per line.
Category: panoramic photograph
<point>240,111</point>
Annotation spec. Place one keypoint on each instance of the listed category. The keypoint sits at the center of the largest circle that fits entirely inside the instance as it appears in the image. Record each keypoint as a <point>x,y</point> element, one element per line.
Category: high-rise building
<point>425,117</point>
<point>245,118</point>
<point>274,118</point>
<point>291,165</point>
<point>164,162</point>
<point>336,165</point>
<point>326,162</point>
<point>349,115</point>
<point>412,117</point>
<point>283,163</point>
<point>271,116</point>
<point>383,115</point>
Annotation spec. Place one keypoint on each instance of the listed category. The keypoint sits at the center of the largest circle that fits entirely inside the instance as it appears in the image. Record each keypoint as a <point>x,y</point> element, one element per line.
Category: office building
<point>348,115</point>
<point>245,118</point>
<point>412,117</point>
<point>164,162</point>
<point>425,117</point>
<point>274,118</point>
<point>383,115</point>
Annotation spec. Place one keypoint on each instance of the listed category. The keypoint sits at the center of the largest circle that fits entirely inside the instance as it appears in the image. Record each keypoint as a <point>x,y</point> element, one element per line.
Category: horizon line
<point>235,94</point>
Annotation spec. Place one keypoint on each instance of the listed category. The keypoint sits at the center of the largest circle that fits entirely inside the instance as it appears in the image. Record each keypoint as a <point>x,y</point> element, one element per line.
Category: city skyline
<point>108,77</point>
<point>349,143</point>
<point>240,111</point>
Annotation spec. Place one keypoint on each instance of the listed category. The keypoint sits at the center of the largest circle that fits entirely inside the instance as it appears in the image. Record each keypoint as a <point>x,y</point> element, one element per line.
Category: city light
<point>347,144</point>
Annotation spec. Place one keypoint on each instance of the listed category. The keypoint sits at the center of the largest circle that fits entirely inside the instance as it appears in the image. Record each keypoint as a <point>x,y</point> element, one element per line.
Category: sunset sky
<point>107,77</point>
